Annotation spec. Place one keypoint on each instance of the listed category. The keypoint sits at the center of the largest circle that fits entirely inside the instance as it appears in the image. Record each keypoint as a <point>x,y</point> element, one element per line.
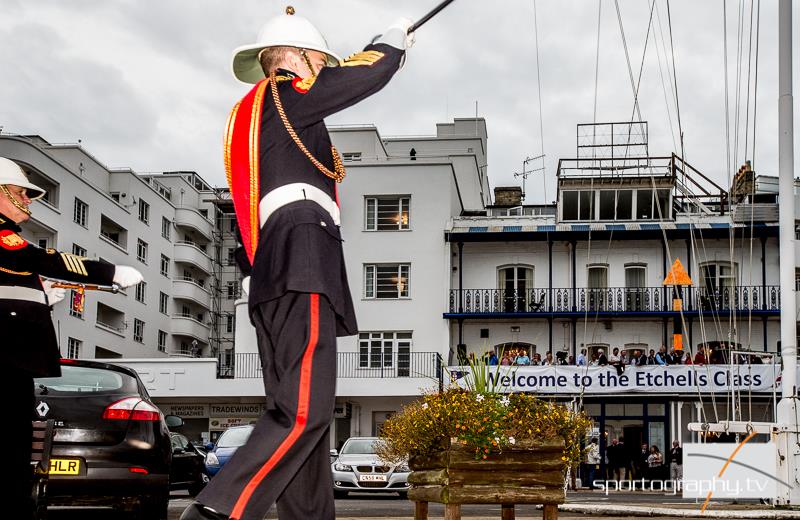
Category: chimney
<point>508,196</point>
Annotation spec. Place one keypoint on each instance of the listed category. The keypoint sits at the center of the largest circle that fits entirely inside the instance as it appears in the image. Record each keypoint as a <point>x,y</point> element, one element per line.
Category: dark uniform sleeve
<point>336,88</point>
<point>20,257</point>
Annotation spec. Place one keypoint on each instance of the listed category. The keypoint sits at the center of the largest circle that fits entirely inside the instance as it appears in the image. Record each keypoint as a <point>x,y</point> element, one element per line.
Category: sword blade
<point>428,16</point>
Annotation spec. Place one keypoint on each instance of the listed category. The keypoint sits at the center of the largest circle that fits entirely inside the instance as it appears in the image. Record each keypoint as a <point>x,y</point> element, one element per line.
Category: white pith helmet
<point>286,30</point>
<point>11,173</point>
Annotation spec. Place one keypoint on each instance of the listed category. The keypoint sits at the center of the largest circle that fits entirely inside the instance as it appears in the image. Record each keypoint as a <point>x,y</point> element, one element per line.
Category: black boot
<point>197,511</point>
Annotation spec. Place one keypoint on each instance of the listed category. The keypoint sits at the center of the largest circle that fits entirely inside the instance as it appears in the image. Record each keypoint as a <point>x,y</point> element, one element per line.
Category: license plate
<point>64,467</point>
<point>372,478</point>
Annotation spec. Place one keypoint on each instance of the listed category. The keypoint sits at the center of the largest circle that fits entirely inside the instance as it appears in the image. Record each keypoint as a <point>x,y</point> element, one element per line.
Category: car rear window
<point>89,380</point>
<point>234,438</point>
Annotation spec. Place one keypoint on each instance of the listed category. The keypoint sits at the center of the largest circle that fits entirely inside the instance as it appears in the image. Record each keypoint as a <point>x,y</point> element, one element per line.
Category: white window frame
<point>141,292</point>
<point>74,348</point>
<point>144,211</point>
<point>162,341</point>
<point>80,212</point>
<point>403,270</point>
<point>163,303</point>
<point>378,349</point>
<point>403,202</point>
<point>138,330</point>
<point>164,265</point>
<point>141,250</point>
<point>72,310</point>
<point>166,228</point>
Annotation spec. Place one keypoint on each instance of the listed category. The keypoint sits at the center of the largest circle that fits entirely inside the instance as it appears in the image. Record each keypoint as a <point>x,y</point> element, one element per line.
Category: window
<point>141,287</point>
<point>76,301</point>
<point>163,301</point>
<point>80,212</point>
<point>386,280</point>
<point>577,205</point>
<point>115,196</point>
<point>635,287</point>
<point>204,212</point>
<point>141,250</point>
<point>138,330</point>
<point>144,211</point>
<point>74,348</point>
<point>386,213</point>
<point>597,283</point>
<point>718,275</point>
<point>231,256</point>
<point>233,290</point>
<point>232,224</point>
<point>385,350</point>
<point>162,341</point>
<point>230,323</point>
<point>166,228</point>
<point>516,284</point>
<point>351,156</point>
<point>43,243</point>
<point>165,265</point>
<point>78,250</point>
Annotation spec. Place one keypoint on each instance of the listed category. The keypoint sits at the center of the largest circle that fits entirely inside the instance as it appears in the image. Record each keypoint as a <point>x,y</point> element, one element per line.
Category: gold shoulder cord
<point>339,172</point>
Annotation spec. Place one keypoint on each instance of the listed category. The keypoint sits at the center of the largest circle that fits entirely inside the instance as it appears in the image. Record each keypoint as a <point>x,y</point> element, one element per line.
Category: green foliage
<point>485,422</point>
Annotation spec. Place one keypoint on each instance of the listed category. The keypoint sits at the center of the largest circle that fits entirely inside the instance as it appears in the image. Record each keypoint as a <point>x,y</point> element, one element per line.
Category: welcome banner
<point>680,379</point>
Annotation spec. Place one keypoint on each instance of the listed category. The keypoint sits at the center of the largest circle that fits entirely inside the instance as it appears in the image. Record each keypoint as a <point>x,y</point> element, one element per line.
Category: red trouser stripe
<point>300,420</point>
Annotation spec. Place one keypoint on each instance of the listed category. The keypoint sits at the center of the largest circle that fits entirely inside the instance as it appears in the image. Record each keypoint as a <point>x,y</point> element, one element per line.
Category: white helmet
<point>282,31</point>
<point>11,173</point>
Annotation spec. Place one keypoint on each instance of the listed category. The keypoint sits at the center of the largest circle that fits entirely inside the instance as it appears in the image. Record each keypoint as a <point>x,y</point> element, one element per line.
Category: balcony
<point>759,300</point>
<point>191,253</point>
<point>193,220</point>
<point>351,365</point>
<point>187,325</point>
<point>191,290</point>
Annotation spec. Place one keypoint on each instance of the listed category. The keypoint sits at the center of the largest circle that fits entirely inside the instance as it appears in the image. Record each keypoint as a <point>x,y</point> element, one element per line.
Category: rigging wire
<point>663,81</point>
<point>675,78</point>
<point>541,114</point>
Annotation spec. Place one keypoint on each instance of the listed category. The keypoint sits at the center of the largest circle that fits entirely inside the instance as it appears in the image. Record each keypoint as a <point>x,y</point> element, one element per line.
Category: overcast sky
<point>146,84</point>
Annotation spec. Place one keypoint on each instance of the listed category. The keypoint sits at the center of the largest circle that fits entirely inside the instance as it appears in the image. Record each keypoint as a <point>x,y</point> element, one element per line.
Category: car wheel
<point>339,494</point>
<point>198,486</point>
<point>153,507</point>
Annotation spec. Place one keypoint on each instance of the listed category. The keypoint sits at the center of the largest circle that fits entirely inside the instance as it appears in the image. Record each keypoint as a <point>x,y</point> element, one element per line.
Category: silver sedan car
<point>358,468</point>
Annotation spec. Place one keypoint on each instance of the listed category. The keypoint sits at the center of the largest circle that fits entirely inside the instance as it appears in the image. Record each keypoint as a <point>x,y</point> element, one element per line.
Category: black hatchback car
<point>111,445</point>
<point>188,470</point>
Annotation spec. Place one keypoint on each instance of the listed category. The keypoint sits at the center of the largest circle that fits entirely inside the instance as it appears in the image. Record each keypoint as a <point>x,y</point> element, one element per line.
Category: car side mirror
<point>173,421</point>
<point>334,453</point>
<point>177,450</point>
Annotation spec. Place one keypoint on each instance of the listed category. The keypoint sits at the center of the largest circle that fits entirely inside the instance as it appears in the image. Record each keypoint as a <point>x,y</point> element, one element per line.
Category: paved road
<point>391,506</point>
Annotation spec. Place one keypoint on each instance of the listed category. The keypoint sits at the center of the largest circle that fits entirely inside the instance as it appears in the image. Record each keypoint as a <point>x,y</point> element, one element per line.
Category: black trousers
<point>287,458</point>
<point>18,387</point>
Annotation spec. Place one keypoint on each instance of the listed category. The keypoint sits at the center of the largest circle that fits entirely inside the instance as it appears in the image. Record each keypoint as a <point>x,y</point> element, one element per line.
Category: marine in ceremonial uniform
<point>27,329</point>
<point>283,173</point>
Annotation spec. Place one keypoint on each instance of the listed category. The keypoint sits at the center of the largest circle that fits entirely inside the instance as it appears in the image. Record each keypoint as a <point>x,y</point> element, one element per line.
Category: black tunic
<point>29,339</point>
<point>300,247</point>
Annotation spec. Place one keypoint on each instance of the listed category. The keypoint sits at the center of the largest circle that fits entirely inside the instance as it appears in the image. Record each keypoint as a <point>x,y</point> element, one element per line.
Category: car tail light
<point>141,471</point>
<point>133,409</point>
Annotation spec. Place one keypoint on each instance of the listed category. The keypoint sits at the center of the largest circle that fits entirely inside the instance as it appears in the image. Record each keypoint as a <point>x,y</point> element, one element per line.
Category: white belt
<point>22,293</point>
<point>289,193</point>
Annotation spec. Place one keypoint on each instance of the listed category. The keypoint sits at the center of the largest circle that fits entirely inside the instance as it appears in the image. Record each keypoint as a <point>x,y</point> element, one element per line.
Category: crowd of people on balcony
<point>618,358</point>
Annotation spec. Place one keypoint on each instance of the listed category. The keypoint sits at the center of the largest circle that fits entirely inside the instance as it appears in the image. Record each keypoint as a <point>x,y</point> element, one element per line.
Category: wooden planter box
<point>526,473</point>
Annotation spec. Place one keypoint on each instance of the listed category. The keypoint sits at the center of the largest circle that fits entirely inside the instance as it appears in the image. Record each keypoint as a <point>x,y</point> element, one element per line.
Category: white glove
<point>246,285</point>
<point>126,276</point>
<point>54,294</point>
<point>397,35</point>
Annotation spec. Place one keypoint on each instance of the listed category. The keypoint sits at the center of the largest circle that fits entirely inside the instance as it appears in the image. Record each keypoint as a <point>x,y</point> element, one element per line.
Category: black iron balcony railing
<point>614,300</point>
<point>354,365</point>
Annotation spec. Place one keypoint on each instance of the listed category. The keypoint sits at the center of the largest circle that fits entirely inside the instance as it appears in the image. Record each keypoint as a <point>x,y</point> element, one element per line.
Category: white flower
<point>497,439</point>
<point>512,440</point>
<point>425,406</point>
<point>479,398</point>
<point>505,401</point>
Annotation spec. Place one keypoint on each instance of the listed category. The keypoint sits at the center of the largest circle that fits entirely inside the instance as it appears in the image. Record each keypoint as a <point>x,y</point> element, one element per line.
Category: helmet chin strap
<point>17,204</point>
<point>304,55</point>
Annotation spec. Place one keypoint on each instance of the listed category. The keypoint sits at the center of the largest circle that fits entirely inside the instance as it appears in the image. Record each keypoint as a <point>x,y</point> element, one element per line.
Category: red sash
<point>242,138</point>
